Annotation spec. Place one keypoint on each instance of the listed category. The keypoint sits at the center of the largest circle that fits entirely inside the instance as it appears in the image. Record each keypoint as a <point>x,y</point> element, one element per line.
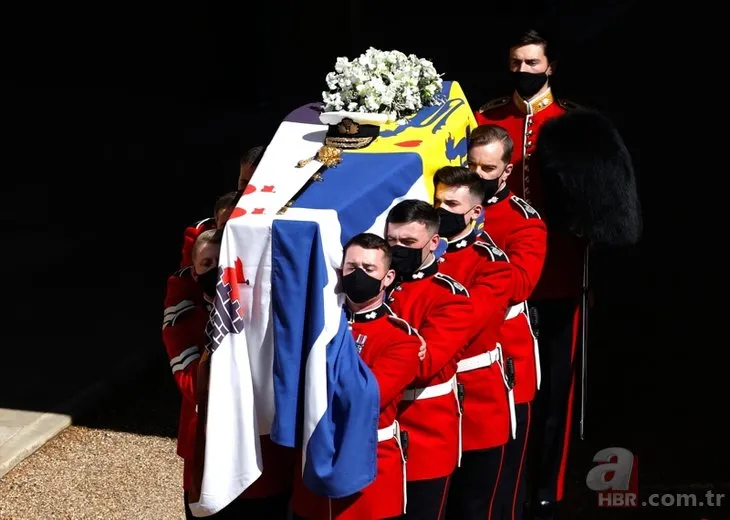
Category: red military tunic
<point>390,348</point>
<point>488,276</point>
<point>563,271</point>
<point>191,233</point>
<point>183,333</point>
<point>438,307</point>
<point>517,229</point>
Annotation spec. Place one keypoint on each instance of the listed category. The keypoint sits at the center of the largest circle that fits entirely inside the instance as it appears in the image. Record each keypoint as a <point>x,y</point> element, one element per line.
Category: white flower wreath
<point>383,82</point>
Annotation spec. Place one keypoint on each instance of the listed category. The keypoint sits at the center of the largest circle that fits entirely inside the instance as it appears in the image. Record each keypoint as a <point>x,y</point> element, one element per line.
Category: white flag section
<point>238,406</point>
<point>240,399</point>
<point>277,178</point>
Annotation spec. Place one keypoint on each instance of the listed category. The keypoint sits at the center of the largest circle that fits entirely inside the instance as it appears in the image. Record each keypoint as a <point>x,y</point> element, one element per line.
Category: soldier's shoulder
<point>181,286</point>
<point>450,284</point>
<point>400,324</point>
<point>185,272</point>
<point>524,208</point>
<point>495,103</point>
<point>488,248</point>
<point>196,228</point>
<point>569,105</point>
<point>205,223</point>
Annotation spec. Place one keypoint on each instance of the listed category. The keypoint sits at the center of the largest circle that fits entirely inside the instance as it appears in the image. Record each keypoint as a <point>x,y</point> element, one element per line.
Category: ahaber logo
<point>227,314</point>
<point>616,478</point>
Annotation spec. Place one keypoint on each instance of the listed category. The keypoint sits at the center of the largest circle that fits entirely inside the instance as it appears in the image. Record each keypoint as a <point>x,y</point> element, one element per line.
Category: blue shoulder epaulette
<point>569,105</point>
<point>527,210</point>
<point>453,285</point>
<point>495,103</point>
<point>494,252</point>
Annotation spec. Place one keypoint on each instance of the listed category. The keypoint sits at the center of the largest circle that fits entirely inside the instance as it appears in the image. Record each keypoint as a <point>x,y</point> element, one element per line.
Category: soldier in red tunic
<point>438,307</point>
<point>390,348</point>
<point>488,276</point>
<point>517,229</point>
<point>571,166</point>
<point>190,293</point>
<point>557,295</point>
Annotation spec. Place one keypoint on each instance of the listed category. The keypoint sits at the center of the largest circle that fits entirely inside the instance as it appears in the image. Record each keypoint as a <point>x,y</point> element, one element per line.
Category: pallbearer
<point>438,306</point>
<point>517,229</point>
<point>390,348</point>
<point>483,370</point>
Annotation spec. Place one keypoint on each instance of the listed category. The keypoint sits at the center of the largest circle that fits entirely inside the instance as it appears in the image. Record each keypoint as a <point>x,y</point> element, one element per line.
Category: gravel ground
<point>119,463</point>
<point>86,473</point>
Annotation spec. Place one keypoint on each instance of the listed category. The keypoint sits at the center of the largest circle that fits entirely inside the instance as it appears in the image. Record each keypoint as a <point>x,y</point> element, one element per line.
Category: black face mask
<point>527,84</point>
<point>208,280</point>
<point>450,224</point>
<point>360,287</point>
<point>406,260</point>
<point>491,186</point>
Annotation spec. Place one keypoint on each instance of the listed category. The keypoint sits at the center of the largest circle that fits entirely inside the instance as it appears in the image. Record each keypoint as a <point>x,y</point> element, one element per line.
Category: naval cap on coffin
<point>352,130</point>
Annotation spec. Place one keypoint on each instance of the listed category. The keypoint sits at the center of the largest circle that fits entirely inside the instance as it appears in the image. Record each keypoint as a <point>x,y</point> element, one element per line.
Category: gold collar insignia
<point>536,104</point>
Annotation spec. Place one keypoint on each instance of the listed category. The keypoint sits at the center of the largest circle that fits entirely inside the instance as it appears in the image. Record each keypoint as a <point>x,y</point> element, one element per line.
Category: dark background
<point>123,122</point>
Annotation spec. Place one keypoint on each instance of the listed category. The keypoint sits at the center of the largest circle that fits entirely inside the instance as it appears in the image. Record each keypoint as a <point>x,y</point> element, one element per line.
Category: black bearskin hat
<point>588,178</point>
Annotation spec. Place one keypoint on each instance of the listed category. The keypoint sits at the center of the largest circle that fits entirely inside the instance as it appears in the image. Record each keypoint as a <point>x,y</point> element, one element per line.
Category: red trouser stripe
<point>522,461</point>
<point>569,414</point>
<point>443,497</point>
<point>496,481</point>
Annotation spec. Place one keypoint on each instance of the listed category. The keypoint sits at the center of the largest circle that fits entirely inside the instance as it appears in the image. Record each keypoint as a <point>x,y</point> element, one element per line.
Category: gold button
<point>527,155</point>
<point>529,143</point>
<point>529,121</point>
<point>527,168</point>
<point>529,132</point>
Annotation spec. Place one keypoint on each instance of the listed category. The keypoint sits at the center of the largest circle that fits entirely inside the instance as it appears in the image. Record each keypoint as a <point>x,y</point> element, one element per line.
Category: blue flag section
<point>362,187</point>
<point>341,450</point>
<point>297,282</point>
<point>341,455</point>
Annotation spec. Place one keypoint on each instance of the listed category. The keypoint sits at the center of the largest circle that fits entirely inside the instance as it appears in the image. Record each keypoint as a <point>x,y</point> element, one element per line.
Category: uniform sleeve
<point>397,367</point>
<point>183,328</point>
<point>526,248</point>
<point>446,330</point>
<point>491,290</point>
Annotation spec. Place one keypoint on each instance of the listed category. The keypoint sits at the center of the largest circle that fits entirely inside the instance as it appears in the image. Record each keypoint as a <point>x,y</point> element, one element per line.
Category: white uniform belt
<point>387,433</point>
<point>416,394</point>
<point>482,360</point>
<point>515,311</point>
